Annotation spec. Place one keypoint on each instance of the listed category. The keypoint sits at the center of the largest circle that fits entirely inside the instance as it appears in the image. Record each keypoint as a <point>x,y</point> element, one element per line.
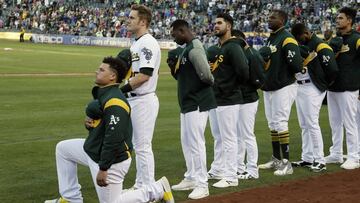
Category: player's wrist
<point>126,88</point>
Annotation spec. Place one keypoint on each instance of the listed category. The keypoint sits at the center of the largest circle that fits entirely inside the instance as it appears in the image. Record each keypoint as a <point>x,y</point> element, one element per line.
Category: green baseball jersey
<point>230,71</point>
<point>109,139</point>
<point>325,74</point>
<point>194,79</point>
<point>256,71</point>
<point>348,61</point>
<point>285,60</point>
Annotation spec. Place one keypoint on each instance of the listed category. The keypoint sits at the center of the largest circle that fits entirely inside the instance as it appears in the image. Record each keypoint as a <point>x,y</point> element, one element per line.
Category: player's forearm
<point>138,80</point>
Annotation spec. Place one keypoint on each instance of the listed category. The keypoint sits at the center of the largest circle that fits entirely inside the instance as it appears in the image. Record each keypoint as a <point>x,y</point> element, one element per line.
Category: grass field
<point>37,111</point>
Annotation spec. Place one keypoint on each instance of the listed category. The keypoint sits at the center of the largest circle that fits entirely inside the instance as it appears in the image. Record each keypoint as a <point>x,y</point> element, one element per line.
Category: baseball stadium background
<point>43,92</point>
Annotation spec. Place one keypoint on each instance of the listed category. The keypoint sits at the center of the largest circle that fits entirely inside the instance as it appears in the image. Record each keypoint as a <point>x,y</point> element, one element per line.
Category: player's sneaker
<point>168,197</point>
<point>245,176</point>
<point>349,165</point>
<point>212,176</point>
<point>284,169</point>
<point>58,200</point>
<point>301,164</point>
<point>273,163</point>
<point>318,167</point>
<point>199,192</point>
<point>331,159</point>
<point>225,183</point>
<point>184,185</point>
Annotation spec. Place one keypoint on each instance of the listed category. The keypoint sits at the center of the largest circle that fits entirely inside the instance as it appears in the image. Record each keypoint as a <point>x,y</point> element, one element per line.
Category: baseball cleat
<point>331,159</point>
<point>199,192</point>
<point>317,167</point>
<point>225,183</point>
<point>284,169</point>
<point>273,163</point>
<point>212,176</point>
<point>58,200</point>
<point>245,176</point>
<point>168,197</point>
<point>301,164</point>
<point>349,165</point>
<point>184,185</point>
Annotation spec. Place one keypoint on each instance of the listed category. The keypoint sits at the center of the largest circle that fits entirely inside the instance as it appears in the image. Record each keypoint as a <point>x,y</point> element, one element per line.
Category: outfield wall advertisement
<point>92,41</point>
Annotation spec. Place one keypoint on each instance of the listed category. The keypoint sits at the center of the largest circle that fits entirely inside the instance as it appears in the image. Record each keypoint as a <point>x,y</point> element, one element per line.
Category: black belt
<point>130,94</point>
<point>301,82</point>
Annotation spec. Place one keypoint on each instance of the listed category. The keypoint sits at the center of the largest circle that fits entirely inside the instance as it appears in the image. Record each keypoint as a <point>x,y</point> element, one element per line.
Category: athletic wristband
<point>126,88</point>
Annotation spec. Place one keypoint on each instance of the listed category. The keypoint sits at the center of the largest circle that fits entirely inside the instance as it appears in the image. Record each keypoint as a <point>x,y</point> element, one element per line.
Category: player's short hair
<point>282,14</point>
<point>119,67</point>
<point>180,23</point>
<point>298,29</point>
<point>144,13</point>
<point>350,13</point>
<point>237,34</point>
<point>227,18</point>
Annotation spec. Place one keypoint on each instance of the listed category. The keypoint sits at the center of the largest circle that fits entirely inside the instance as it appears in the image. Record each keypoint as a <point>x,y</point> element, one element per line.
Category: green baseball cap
<point>125,55</point>
<point>93,109</point>
<point>265,52</point>
<point>175,53</point>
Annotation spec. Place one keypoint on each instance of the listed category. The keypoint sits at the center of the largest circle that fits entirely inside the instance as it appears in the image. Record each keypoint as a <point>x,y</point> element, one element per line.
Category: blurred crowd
<point>108,17</point>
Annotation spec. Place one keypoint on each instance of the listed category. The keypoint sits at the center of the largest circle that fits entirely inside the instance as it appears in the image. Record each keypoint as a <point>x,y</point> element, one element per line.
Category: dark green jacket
<point>324,75</point>
<point>249,89</point>
<point>348,62</point>
<point>230,71</point>
<point>194,79</point>
<point>285,60</point>
<point>109,139</point>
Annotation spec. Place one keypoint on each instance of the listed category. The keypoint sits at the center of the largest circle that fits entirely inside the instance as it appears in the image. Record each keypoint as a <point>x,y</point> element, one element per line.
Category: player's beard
<point>220,33</point>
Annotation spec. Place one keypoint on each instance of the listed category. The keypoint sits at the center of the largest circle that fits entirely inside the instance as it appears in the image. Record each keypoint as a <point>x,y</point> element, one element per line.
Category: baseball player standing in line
<point>319,71</point>
<point>280,90</point>
<point>106,151</point>
<point>196,98</point>
<point>358,119</point>
<point>246,138</point>
<point>343,94</point>
<point>230,71</point>
<point>140,91</point>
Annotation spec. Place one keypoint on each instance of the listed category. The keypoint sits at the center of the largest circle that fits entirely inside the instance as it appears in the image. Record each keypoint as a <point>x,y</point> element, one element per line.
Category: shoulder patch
<point>147,52</point>
<point>357,43</point>
<point>323,46</point>
<point>117,102</point>
<point>289,40</point>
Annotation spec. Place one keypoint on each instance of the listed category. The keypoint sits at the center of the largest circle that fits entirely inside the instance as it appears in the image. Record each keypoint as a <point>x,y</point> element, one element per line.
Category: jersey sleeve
<point>198,58</point>
<point>357,47</point>
<point>292,56</point>
<point>149,55</point>
<point>328,62</point>
<point>116,118</point>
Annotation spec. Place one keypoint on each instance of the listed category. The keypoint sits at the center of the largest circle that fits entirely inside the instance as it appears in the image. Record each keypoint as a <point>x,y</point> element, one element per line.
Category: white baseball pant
<point>193,126</point>
<point>308,104</point>
<point>342,112</point>
<point>228,118</point>
<point>69,153</point>
<point>246,139</point>
<point>216,168</point>
<point>278,107</point>
<point>144,111</point>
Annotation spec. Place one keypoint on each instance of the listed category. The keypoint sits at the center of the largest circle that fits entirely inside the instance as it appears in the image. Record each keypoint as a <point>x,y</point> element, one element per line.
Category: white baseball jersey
<point>145,53</point>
